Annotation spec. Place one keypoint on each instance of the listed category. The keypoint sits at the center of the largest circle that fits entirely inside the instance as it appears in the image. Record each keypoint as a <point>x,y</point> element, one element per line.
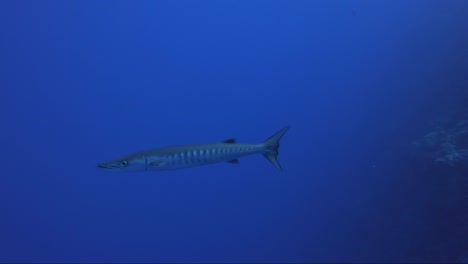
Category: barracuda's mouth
<point>109,165</point>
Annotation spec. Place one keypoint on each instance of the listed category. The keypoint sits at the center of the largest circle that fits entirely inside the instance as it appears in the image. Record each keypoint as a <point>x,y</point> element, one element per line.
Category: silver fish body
<point>186,156</point>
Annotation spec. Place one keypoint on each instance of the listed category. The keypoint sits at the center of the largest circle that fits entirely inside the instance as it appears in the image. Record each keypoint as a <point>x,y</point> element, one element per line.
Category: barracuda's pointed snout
<point>127,163</point>
<point>114,164</point>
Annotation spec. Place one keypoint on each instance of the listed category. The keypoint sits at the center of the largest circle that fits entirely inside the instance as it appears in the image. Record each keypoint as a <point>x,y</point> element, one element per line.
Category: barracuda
<point>187,156</point>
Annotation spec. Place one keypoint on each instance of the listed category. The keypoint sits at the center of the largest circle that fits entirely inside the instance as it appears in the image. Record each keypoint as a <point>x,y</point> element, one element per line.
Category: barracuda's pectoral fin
<point>157,163</point>
<point>234,161</point>
<point>229,141</point>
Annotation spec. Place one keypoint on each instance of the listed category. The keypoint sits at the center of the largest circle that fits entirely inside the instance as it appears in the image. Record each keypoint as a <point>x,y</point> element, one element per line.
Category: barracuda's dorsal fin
<point>229,141</point>
<point>234,161</point>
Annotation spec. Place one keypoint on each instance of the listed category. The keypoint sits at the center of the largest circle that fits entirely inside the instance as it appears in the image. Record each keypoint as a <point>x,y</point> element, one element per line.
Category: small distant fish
<point>187,156</point>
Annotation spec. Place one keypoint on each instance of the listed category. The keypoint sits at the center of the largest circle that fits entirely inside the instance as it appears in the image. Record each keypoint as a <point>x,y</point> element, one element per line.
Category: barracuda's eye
<point>123,163</point>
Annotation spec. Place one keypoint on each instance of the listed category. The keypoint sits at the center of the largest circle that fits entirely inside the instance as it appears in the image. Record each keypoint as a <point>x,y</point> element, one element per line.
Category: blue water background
<point>82,82</point>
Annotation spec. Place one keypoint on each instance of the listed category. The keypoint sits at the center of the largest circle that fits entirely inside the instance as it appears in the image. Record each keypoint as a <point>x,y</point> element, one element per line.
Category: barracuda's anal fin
<point>230,141</point>
<point>234,161</point>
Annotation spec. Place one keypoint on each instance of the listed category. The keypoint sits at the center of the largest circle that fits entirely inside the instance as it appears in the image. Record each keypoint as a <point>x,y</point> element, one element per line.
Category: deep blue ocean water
<point>82,82</point>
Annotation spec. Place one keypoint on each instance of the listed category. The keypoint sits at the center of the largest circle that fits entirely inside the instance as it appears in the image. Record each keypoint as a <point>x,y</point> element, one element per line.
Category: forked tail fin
<point>272,145</point>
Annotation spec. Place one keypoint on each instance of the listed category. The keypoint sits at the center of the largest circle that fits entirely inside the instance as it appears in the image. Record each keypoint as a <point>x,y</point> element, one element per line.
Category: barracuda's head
<point>134,162</point>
